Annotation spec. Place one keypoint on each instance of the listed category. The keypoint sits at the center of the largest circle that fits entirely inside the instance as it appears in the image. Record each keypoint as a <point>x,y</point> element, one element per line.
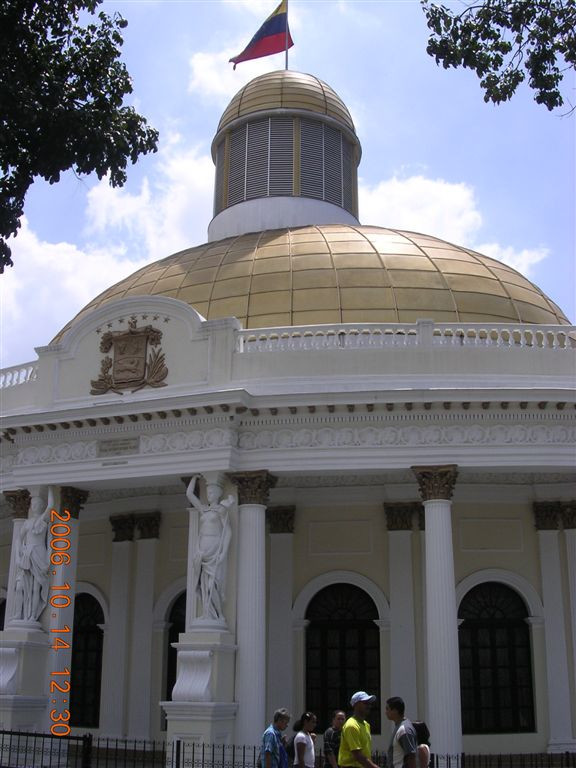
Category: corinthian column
<point>443,666</point>
<point>547,518</point>
<point>253,489</point>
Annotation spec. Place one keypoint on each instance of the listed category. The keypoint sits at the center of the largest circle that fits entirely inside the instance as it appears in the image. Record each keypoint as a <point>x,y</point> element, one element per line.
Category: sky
<point>436,158</point>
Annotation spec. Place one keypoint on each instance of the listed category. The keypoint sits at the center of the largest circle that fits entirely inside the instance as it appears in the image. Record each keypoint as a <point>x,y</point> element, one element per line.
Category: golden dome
<point>339,274</point>
<point>289,90</point>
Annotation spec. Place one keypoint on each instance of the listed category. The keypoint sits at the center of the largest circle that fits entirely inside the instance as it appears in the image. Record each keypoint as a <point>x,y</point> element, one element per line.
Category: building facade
<point>304,458</point>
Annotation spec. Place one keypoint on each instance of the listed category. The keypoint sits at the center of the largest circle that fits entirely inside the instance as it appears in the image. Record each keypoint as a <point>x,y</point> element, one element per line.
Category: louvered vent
<point>332,165</point>
<point>237,172</point>
<point>257,159</point>
<point>281,156</point>
<point>261,163</point>
<point>312,159</point>
<point>348,177</point>
<point>219,181</point>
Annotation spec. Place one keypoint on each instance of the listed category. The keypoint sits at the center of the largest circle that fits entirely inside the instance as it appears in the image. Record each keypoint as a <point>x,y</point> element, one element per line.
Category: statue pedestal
<point>202,709</point>
<point>23,678</point>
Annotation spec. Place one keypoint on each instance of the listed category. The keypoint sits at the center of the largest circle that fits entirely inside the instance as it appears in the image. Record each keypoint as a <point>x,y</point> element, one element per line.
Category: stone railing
<point>420,334</point>
<point>18,374</point>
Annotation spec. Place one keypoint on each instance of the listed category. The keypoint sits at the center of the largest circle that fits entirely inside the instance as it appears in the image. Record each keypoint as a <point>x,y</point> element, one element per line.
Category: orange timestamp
<point>59,555</point>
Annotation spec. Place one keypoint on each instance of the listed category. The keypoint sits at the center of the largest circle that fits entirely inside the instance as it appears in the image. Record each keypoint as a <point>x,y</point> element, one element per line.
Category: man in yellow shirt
<point>356,741</point>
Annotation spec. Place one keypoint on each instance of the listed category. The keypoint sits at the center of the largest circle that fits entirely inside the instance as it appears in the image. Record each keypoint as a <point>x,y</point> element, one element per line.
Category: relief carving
<point>436,482</point>
<point>253,487</point>
<point>132,365</point>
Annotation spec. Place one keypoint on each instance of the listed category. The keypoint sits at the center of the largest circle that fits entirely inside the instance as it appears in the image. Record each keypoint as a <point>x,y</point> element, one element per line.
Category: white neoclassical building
<point>304,458</point>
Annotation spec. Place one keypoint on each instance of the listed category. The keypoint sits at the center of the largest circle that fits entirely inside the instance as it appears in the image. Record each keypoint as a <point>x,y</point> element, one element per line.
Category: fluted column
<point>279,687</point>
<point>115,655</point>
<point>147,526</point>
<point>444,710</point>
<point>547,519</point>
<point>253,489</point>
<point>402,631</point>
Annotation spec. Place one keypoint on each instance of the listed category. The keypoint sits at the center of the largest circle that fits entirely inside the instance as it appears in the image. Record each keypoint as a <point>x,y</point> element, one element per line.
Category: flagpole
<point>286,35</point>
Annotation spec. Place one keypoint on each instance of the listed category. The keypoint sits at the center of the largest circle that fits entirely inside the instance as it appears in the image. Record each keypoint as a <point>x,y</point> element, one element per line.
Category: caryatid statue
<point>209,559</point>
<point>33,560</point>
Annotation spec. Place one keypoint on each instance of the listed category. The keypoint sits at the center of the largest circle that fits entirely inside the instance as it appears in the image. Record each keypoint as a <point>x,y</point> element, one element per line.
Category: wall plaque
<point>122,446</point>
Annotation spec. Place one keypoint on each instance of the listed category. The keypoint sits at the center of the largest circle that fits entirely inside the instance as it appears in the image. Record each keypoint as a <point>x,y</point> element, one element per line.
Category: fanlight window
<point>342,651</point>
<point>495,661</point>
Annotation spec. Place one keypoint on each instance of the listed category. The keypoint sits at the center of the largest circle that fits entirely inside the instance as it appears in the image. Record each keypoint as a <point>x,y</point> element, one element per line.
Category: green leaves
<point>503,42</point>
<point>62,91</point>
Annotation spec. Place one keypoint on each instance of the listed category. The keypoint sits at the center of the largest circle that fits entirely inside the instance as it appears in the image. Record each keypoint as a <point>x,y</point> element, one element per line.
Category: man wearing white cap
<point>356,741</point>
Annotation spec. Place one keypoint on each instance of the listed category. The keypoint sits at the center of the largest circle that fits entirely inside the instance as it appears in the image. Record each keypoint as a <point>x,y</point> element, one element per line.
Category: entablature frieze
<point>169,416</point>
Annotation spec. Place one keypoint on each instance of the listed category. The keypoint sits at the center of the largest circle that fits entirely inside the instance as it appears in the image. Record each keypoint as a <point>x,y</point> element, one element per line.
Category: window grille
<point>342,651</point>
<point>86,666</point>
<point>495,662</point>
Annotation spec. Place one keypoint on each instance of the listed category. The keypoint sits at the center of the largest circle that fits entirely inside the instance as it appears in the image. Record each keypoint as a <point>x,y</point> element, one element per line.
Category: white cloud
<point>48,285</point>
<point>431,206</point>
<point>524,260</point>
<point>442,209</point>
<point>170,212</point>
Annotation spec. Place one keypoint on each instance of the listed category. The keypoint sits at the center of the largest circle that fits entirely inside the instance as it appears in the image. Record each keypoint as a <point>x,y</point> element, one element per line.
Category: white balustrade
<point>378,336</point>
<point>18,374</point>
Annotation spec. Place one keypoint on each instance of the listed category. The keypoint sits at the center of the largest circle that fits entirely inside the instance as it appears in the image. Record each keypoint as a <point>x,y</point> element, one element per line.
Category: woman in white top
<point>304,756</point>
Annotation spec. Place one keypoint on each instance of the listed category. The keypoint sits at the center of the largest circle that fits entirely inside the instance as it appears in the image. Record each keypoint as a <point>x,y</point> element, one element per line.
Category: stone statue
<point>209,560</point>
<point>33,561</point>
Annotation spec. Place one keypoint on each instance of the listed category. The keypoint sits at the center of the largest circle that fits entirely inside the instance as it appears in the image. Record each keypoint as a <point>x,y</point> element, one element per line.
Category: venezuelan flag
<point>272,37</point>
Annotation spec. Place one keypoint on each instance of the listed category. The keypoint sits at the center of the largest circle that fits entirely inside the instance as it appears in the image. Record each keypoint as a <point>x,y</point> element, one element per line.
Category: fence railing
<point>20,749</point>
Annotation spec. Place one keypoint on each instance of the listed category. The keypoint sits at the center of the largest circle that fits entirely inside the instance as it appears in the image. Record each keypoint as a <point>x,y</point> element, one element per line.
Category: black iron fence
<point>38,750</point>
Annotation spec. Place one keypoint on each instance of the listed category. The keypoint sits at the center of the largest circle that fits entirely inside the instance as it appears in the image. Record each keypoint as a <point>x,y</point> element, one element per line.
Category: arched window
<point>495,661</point>
<point>342,651</point>
<point>86,674</point>
<point>177,621</point>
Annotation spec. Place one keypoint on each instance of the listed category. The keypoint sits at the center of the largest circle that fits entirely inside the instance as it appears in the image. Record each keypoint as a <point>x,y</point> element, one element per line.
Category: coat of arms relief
<point>137,360</point>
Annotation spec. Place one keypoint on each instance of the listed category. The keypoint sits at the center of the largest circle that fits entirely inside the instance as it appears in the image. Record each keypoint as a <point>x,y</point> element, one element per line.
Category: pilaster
<point>72,501</point>
<point>568,518</point>
<point>147,530</point>
<point>399,521</point>
<point>115,654</point>
<point>547,521</point>
<point>280,570</point>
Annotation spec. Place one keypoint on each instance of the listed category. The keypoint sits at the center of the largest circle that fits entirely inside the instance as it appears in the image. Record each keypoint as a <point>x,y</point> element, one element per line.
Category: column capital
<point>436,482</point>
<point>123,527</point>
<point>547,515</point>
<point>281,519</point>
<point>148,525</point>
<point>399,514</point>
<point>73,499</point>
<point>19,502</point>
<point>253,487</point>
<point>568,514</point>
